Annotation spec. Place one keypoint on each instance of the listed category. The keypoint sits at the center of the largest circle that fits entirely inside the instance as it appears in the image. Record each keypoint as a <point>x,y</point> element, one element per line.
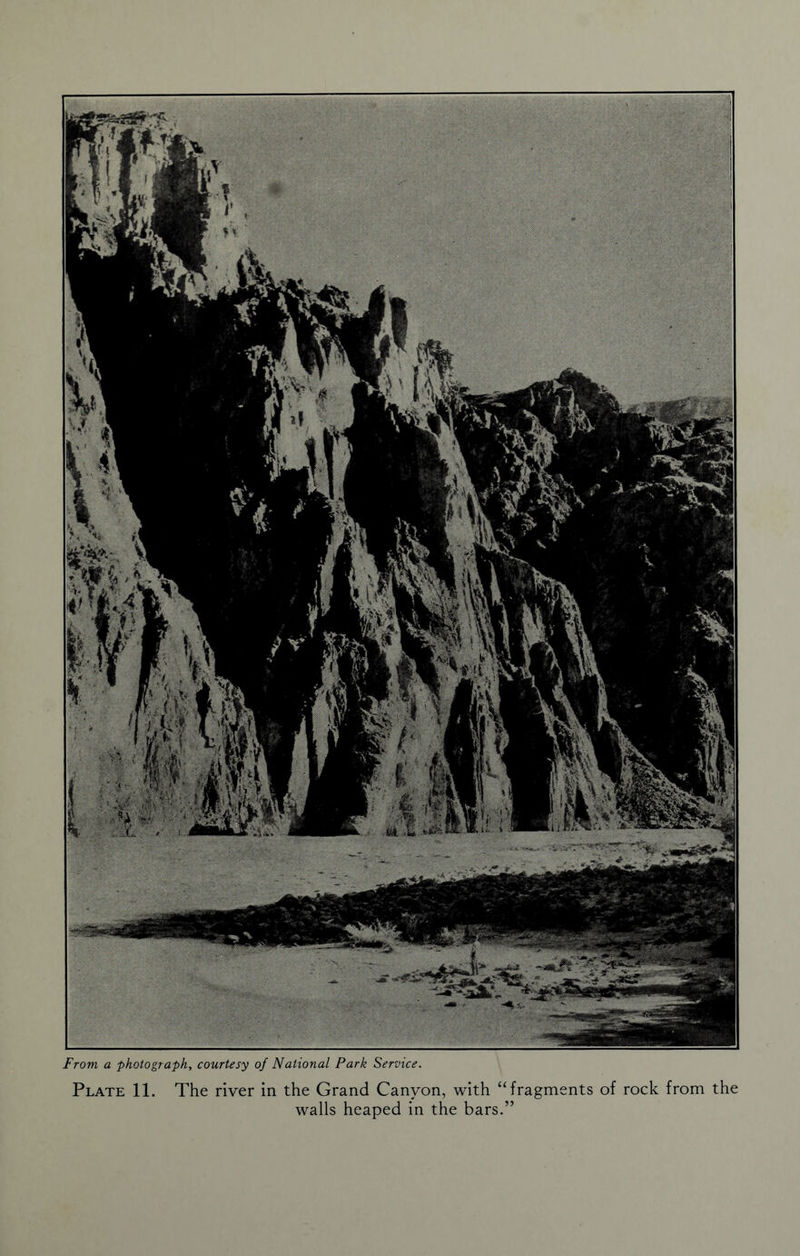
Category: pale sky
<point>527,232</point>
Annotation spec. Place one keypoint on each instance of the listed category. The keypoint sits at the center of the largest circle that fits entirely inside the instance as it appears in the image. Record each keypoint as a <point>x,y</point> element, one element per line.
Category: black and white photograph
<point>400,571</point>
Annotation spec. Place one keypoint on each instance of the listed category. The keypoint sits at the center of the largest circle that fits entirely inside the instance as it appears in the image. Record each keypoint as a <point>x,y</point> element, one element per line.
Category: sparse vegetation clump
<point>449,937</point>
<point>375,935</point>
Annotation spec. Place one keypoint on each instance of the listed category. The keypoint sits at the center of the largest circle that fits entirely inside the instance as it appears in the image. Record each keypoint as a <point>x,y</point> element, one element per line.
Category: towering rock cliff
<point>157,739</point>
<point>296,552</point>
<point>635,514</point>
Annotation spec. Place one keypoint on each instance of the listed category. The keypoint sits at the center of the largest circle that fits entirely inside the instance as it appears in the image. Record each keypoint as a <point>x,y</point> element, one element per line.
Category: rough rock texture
<point>157,740</point>
<point>634,514</point>
<point>297,477</point>
<point>136,177</point>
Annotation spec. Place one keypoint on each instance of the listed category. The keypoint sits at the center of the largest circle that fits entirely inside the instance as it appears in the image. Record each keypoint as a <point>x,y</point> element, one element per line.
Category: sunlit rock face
<point>286,535</point>
<point>134,179</point>
<point>158,740</point>
<point>634,511</point>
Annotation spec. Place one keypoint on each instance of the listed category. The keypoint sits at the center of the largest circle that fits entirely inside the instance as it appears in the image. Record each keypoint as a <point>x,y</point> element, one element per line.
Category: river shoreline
<point>599,953</point>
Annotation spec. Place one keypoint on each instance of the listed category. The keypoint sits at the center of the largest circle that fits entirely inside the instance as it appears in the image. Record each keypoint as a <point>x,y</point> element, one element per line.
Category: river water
<point>122,880</point>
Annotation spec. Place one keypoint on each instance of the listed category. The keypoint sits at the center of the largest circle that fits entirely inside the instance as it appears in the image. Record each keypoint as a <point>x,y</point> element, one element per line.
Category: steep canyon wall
<point>314,587</point>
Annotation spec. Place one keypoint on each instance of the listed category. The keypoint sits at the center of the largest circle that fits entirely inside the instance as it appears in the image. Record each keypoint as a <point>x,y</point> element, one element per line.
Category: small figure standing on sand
<point>473,957</point>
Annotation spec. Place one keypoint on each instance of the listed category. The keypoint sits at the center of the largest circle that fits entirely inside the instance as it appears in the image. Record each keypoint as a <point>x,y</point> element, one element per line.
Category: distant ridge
<point>685,409</point>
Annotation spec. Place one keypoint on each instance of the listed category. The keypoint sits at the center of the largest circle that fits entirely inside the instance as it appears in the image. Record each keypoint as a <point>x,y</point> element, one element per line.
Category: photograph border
<point>561,1049</point>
